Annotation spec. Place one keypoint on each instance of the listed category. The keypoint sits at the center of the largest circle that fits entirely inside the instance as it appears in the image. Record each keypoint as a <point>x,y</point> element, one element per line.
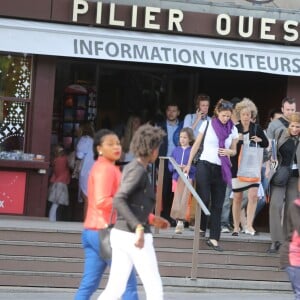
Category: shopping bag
<point>250,163</point>
<point>180,201</point>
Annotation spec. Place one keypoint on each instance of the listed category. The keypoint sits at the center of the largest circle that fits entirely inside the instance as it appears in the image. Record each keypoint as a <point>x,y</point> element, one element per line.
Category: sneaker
<point>225,229</point>
<point>202,233</point>
<point>179,227</point>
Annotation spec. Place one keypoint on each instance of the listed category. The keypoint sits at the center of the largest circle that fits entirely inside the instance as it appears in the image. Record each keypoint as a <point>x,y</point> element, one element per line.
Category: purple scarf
<point>222,132</point>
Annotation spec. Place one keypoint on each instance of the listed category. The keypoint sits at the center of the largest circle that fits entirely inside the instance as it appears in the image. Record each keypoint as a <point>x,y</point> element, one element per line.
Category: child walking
<point>181,195</point>
<point>58,191</point>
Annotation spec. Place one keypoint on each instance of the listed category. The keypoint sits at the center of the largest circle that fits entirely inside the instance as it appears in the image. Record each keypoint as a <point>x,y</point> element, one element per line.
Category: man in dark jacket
<point>172,127</point>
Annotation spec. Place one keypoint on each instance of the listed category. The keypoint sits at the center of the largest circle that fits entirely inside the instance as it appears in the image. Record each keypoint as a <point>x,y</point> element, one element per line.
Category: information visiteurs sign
<point>110,44</point>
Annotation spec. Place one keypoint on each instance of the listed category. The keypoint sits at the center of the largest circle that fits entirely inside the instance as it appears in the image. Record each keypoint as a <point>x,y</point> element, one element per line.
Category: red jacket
<point>61,172</point>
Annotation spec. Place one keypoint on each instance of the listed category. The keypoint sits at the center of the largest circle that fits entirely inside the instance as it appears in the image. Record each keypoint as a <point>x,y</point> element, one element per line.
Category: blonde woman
<point>251,133</point>
<point>283,196</point>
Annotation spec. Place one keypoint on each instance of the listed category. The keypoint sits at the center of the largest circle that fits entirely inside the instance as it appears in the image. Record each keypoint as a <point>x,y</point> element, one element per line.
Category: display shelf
<point>79,106</point>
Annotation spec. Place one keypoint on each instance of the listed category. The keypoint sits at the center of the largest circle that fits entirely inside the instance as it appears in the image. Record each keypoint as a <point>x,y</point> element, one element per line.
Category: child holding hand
<point>181,194</point>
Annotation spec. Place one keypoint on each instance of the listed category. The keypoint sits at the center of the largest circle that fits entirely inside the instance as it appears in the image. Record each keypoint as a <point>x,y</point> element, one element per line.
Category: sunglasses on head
<point>226,105</point>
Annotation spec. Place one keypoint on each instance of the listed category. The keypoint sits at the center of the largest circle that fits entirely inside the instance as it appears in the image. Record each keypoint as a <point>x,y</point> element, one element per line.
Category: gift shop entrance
<point>108,93</point>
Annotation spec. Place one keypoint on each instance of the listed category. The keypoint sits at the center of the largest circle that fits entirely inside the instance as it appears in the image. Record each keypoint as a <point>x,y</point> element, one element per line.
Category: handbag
<point>281,176</point>
<point>250,163</point>
<point>200,149</point>
<point>283,173</point>
<point>180,201</point>
<point>105,250</point>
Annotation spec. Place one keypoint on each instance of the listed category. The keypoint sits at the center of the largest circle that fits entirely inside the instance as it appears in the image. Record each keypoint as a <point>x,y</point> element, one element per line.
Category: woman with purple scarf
<point>213,171</point>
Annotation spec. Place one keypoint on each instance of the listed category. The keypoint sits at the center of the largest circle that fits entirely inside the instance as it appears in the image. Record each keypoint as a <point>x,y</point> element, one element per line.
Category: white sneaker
<point>179,227</point>
<point>225,229</point>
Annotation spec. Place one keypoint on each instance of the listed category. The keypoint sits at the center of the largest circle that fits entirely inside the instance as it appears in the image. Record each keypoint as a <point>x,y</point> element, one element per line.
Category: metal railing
<point>199,205</point>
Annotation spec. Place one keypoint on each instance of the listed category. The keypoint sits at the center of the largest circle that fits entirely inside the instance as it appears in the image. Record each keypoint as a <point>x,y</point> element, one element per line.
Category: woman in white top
<point>214,168</point>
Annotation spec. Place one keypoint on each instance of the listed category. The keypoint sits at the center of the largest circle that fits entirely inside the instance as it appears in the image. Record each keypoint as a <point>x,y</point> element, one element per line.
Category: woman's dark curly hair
<point>146,139</point>
<point>98,139</point>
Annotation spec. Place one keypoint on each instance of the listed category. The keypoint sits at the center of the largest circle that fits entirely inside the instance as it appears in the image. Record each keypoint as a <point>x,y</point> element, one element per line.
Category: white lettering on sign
<point>245,30</point>
<point>223,24</point>
<point>1,203</point>
<point>80,7</point>
<point>292,34</point>
<point>175,19</point>
<point>112,16</point>
<point>151,16</point>
<point>265,29</point>
<point>148,14</point>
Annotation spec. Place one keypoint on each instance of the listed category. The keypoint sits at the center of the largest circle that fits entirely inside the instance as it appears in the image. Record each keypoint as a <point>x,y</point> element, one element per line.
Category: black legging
<point>211,187</point>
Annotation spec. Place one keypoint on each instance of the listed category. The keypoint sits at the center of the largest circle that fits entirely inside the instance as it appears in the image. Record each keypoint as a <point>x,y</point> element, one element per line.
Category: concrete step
<point>40,235</point>
<point>225,258</point>
<point>66,250</point>
<point>229,243</point>
<point>219,269</point>
<point>44,254</point>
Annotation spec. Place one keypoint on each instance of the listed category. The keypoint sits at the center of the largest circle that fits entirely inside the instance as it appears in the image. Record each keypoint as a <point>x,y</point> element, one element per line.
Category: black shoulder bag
<point>283,173</point>
<point>104,238</point>
<point>200,149</point>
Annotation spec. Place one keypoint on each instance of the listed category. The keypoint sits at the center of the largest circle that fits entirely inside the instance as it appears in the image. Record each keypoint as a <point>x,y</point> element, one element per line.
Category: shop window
<point>15,91</point>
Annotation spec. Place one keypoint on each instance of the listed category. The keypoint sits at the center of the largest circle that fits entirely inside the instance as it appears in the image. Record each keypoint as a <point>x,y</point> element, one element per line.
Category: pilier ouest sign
<point>175,17</point>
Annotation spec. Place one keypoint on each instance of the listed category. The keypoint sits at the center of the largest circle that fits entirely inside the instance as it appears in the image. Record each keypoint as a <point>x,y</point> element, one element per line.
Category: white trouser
<point>125,255</point>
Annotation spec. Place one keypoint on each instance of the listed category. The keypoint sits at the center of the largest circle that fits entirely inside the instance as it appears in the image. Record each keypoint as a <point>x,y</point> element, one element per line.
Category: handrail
<point>200,204</point>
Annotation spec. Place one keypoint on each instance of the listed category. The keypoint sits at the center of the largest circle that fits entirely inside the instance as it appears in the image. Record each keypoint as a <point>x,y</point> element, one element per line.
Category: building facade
<point>64,62</point>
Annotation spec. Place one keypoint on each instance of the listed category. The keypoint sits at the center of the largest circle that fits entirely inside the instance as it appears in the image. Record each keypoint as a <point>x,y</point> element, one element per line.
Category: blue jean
<point>226,209</point>
<point>294,276</point>
<point>94,267</point>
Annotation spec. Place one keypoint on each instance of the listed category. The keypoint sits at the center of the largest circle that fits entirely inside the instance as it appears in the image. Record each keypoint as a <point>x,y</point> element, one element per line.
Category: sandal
<point>235,233</point>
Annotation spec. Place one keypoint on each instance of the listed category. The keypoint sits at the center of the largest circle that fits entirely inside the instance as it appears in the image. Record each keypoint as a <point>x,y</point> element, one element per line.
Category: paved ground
<point>64,294</point>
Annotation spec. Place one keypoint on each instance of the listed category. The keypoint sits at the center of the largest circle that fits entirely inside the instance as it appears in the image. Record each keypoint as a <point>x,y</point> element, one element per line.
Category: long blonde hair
<point>129,132</point>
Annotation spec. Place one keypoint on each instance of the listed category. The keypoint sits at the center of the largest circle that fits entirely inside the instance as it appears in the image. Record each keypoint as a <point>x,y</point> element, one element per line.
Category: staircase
<point>37,253</point>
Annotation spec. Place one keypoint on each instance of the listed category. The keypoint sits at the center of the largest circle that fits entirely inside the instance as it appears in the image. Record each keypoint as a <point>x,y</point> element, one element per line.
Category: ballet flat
<point>250,232</point>
<point>211,245</point>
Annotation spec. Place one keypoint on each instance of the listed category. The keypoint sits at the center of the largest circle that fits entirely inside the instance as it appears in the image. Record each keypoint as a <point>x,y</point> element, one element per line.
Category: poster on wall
<point>12,192</point>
